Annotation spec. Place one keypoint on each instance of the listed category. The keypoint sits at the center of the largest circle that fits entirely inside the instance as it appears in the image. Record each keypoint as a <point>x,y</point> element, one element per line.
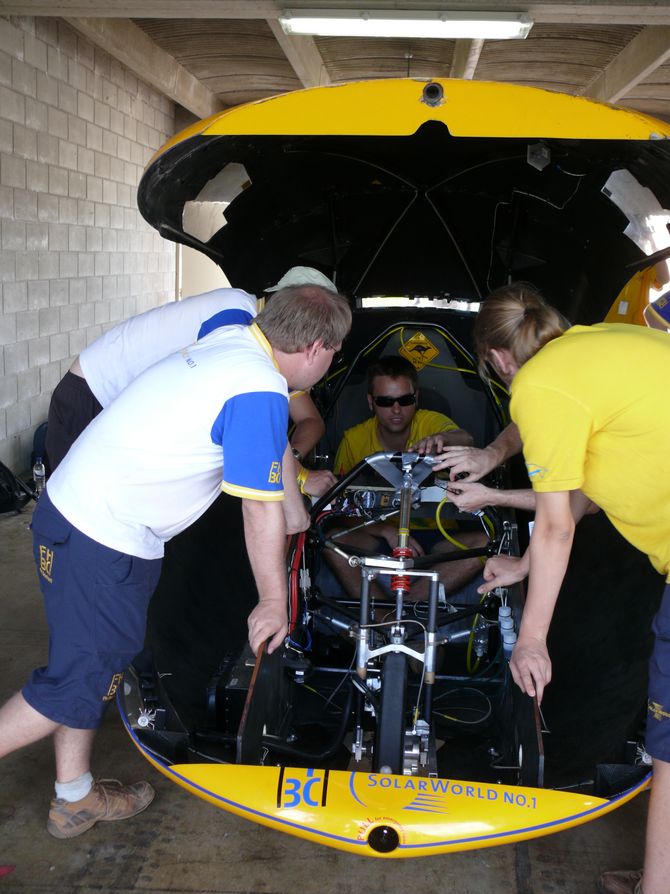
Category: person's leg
<point>349,577</point>
<point>657,853</point>
<point>96,601</point>
<point>20,725</point>
<point>454,575</point>
<point>73,752</point>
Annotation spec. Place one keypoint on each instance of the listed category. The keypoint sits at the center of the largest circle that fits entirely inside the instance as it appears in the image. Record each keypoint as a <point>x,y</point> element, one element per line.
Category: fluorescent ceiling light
<point>397,23</point>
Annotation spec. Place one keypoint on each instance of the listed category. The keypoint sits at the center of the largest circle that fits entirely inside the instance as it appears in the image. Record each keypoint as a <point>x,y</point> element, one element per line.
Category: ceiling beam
<point>465,58</point>
<point>643,55</point>
<point>304,56</point>
<point>144,9</point>
<point>587,13</point>
<point>581,12</point>
<point>130,45</point>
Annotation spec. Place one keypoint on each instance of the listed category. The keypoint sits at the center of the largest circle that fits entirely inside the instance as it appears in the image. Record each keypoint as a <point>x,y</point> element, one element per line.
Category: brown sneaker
<point>108,800</point>
<point>623,881</point>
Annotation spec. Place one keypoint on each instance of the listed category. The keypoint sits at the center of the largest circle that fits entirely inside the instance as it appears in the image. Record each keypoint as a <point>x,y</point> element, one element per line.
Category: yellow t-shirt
<point>593,412</point>
<point>361,440</point>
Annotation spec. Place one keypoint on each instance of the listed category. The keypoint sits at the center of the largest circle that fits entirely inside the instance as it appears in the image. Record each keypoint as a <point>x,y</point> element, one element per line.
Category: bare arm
<point>549,552</point>
<point>457,437</point>
<point>295,514</point>
<point>663,272</point>
<point>476,462</point>
<point>265,535</point>
<point>580,505</point>
<point>503,571</point>
<point>309,426</point>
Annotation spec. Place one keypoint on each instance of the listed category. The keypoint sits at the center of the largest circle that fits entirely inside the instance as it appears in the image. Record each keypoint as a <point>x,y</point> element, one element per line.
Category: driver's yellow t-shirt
<point>593,412</point>
<point>361,440</point>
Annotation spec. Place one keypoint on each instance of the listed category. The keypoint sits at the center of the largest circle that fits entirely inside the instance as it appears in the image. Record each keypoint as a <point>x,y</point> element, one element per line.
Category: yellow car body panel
<point>394,107</point>
<point>430,816</point>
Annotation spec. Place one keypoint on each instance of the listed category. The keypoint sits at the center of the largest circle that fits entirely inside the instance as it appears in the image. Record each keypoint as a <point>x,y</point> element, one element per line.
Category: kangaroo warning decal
<point>419,350</point>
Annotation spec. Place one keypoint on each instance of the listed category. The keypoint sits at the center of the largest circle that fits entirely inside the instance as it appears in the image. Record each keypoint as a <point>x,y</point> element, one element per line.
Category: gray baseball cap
<point>303,276</point>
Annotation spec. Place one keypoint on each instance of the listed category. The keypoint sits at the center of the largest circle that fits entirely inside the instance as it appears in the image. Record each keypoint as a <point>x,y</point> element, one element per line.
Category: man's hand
<point>471,462</point>
<point>268,621</point>
<point>318,482</point>
<point>503,571</point>
<point>296,517</point>
<point>429,445</point>
<point>441,440</point>
<point>531,666</point>
<point>470,496</point>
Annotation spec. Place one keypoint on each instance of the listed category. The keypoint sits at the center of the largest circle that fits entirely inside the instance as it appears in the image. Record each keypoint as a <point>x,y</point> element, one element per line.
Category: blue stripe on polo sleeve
<point>252,428</point>
<point>229,317</point>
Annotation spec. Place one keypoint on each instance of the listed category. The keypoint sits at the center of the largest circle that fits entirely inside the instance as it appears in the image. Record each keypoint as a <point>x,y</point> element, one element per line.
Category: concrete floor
<point>183,844</point>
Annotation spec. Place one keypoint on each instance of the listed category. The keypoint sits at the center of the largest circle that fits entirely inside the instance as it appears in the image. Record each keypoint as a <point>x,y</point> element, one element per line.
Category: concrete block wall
<point>76,129</point>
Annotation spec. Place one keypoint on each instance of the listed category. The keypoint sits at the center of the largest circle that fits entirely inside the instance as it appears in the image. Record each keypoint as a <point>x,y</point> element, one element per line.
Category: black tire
<point>390,739</point>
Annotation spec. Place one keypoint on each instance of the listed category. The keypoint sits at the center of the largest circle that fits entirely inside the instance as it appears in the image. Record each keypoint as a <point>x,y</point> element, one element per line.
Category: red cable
<point>293,581</point>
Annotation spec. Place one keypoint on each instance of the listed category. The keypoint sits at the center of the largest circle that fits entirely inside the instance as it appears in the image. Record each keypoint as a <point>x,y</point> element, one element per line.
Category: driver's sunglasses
<point>404,400</point>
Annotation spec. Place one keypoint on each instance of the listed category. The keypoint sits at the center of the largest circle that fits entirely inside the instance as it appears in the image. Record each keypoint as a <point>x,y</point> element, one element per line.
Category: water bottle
<point>39,477</point>
<point>507,631</point>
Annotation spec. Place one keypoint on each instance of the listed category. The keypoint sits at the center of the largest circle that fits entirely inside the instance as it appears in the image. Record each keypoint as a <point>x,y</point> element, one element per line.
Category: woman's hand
<point>503,571</point>
<point>531,666</point>
<point>473,463</point>
<point>469,496</point>
<point>470,462</point>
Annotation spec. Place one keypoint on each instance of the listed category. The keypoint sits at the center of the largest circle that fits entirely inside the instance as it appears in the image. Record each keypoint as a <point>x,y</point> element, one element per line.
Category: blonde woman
<point>593,414</point>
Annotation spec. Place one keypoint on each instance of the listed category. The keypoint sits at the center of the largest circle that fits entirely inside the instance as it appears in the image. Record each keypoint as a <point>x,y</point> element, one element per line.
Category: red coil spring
<point>401,581</point>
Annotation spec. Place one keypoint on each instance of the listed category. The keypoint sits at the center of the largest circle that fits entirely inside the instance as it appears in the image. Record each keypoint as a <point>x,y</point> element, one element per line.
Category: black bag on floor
<point>14,494</point>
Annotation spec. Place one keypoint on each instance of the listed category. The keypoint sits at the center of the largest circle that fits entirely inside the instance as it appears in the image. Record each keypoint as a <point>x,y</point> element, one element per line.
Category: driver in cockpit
<point>397,425</point>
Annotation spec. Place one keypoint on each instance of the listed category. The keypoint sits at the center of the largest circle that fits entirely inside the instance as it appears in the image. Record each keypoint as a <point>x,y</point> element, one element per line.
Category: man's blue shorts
<point>658,714</point>
<point>96,602</point>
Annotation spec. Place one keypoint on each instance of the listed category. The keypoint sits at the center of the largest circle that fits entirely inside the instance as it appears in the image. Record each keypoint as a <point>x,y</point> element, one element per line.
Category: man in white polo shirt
<point>211,417</point>
<point>111,362</point>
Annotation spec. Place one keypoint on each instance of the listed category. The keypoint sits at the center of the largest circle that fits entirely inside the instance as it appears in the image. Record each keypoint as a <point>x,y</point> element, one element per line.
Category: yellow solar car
<point>394,729</point>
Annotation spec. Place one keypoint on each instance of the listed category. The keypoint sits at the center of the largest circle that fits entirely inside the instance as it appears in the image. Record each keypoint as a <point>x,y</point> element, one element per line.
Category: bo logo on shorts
<point>46,562</point>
